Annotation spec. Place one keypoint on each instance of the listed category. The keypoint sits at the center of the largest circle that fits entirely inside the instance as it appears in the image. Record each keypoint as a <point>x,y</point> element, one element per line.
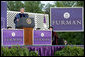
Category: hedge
<point>5,51</point>
<point>70,51</point>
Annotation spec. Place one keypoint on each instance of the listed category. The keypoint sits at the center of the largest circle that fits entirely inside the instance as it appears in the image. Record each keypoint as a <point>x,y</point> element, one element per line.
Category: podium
<point>28,36</point>
<point>27,24</point>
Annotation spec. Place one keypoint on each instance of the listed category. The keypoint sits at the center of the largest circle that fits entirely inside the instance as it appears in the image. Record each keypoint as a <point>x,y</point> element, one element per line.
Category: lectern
<point>27,24</point>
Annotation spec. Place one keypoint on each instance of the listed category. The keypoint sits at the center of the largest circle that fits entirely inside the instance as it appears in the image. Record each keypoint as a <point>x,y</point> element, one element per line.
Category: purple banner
<point>42,37</point>
<point>67,19</point>
<point>12,37</point>
<point>3,14</point>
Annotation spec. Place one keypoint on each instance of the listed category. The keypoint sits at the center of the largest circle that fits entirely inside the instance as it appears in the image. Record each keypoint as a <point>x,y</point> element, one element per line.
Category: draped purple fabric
<point>44,50</point>
<point>44,20</point>
<point>3,14</point>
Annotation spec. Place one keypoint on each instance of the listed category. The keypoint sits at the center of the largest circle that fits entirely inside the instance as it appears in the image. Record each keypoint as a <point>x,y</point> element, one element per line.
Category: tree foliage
<point>33,6</point>
<point>73,38</point>
<point>69,3</point>
<point>30,6</point>
<point>14,5</point>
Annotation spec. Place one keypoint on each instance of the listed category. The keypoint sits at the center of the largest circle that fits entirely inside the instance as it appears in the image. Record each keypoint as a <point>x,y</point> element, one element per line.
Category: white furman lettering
<point>68,22</point>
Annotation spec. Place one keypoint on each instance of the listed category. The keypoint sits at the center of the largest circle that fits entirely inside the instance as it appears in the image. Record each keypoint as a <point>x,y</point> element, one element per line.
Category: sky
<point>46,2</point>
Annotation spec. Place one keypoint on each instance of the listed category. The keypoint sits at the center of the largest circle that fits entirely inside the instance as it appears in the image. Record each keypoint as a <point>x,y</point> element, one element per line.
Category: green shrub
<point>74,38</point>
<point>32,53</point>
<point>70,51</point>
<point>13,51</point>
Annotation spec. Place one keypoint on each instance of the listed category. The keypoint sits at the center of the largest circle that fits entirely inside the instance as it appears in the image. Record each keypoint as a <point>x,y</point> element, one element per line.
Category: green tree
<point>80,3</point>
<point>59,4</point>
<point>14,5</point>
<point>47,8</point>
<point>33,6</point>
<point>10,5</point>
<point>18,5</point>
<point>75,38</point>
<point>69,3</point>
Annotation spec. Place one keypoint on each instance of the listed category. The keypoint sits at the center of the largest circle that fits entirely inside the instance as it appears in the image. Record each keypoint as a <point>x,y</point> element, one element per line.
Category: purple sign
<point>3,14</point>
<point>67,19</point>
<point>12,37</point>
<point>42,37</point>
